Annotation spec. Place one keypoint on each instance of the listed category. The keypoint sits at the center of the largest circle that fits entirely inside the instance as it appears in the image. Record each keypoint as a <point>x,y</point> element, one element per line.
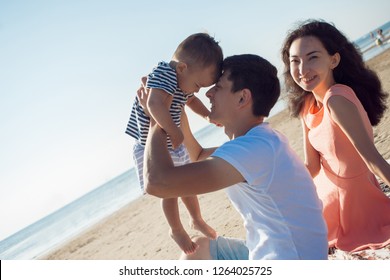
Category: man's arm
<point>163,179</point>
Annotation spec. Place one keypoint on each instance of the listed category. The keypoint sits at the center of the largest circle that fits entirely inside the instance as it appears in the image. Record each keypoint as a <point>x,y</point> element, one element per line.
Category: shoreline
<point>138,231</point>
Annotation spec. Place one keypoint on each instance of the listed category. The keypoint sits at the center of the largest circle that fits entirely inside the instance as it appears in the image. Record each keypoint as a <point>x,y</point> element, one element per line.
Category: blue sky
<point>69,71</point>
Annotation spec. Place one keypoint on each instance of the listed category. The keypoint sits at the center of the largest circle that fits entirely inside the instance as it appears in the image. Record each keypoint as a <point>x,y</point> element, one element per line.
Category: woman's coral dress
<point>356,211</point>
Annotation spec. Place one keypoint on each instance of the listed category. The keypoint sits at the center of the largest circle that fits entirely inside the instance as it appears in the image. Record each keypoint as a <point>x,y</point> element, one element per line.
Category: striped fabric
<point>162,77</point>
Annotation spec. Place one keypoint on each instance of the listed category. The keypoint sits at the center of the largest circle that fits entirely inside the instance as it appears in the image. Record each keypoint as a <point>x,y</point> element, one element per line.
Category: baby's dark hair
<point>255,73</point>
<point>200,50</point>
<point>351,70</point>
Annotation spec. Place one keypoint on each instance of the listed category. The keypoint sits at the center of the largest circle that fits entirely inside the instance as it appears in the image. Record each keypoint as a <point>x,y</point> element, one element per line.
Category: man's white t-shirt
<point>278,202</point>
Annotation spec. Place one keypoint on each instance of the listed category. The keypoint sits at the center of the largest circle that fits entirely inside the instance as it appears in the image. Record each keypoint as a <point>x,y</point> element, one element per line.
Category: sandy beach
<point>139,230</point>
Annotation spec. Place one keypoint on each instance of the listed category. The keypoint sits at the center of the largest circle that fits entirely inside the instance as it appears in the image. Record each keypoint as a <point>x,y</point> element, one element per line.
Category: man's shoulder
<point>254,142</point>
<point>265,133</point>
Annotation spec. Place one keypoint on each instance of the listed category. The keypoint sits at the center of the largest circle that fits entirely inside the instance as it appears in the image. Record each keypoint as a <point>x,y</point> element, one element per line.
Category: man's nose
<point>210,92</point>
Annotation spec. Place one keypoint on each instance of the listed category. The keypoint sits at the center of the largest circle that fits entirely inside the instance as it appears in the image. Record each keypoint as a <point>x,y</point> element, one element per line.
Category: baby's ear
<point>181,67</point>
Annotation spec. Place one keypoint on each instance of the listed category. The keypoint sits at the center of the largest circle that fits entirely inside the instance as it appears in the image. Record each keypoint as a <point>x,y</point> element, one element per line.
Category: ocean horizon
<point>44,235</point>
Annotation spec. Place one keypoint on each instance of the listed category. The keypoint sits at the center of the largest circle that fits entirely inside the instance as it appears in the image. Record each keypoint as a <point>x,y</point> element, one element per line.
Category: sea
<point>42,236</point>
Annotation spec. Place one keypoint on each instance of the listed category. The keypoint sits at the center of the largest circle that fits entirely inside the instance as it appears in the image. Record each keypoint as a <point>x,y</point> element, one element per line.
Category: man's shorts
<point>179,156</point>
<point>225,248</point>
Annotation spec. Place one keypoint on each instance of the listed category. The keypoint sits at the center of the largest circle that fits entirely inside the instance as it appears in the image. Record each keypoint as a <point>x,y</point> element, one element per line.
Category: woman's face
<point>311,66</point>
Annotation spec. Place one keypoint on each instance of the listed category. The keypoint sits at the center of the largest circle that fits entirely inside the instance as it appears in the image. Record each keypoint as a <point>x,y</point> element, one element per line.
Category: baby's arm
<point>198,107</point>
<point>158,105</point>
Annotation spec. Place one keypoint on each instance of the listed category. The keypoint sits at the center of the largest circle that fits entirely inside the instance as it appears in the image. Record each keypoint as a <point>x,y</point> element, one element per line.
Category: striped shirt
<point>162,77</point>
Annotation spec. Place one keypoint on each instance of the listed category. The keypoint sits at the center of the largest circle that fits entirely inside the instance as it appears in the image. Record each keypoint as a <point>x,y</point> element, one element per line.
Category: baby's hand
<point>176,138</point>
<point>210,121</point>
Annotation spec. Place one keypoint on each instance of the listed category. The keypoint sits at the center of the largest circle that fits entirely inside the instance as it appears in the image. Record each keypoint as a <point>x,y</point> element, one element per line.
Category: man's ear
<point>245,96</point>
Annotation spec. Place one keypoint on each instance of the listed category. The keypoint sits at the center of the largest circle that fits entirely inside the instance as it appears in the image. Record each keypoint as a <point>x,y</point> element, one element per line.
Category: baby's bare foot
<point>184,241</point>
<point>204,228</point>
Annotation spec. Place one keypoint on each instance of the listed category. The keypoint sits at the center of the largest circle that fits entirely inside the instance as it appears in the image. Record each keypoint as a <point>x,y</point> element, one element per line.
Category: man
<point>264,179</point>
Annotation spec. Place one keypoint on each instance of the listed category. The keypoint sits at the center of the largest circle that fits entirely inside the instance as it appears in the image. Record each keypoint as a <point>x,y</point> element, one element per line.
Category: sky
<point>69,71</point>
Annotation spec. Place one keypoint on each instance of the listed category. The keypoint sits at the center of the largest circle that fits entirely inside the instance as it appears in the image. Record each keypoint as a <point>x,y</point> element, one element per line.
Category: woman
<point>339,100</point>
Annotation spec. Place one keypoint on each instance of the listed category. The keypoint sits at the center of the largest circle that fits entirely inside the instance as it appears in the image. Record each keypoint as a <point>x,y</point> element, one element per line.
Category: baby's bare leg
<point>177,232</point>
<point>197,222</point>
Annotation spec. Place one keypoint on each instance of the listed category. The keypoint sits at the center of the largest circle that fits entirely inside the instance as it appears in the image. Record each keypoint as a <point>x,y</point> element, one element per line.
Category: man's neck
<point>241,128</point>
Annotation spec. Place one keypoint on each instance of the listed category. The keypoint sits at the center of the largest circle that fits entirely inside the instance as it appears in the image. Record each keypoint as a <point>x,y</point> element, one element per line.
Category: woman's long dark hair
<point>351,70</point>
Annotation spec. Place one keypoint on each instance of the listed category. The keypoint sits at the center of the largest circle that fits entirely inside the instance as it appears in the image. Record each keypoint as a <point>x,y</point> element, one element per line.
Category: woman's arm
<point>312,158</point>
<point>347,117</point>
